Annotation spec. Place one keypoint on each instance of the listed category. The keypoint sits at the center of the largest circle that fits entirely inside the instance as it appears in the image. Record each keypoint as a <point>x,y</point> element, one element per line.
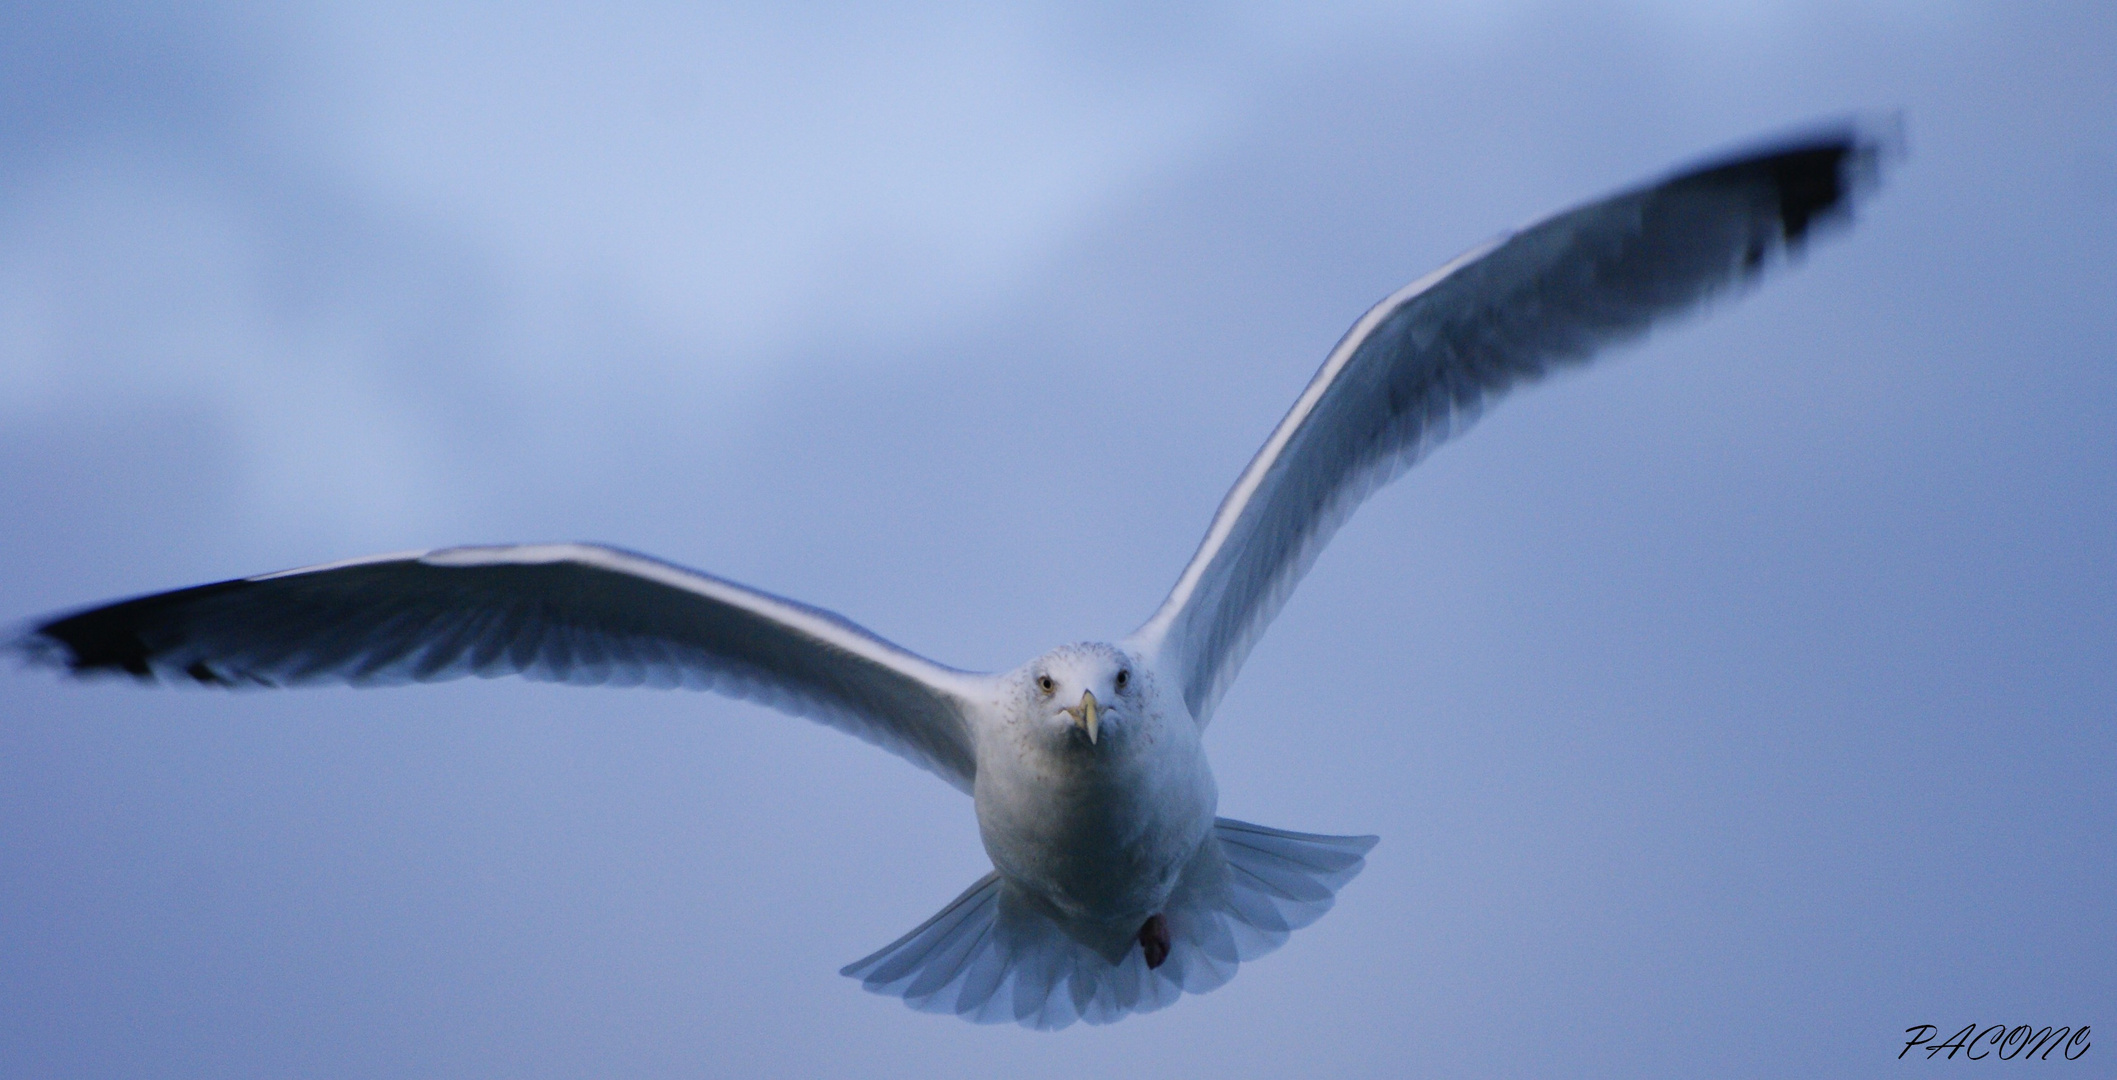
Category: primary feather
<point>573,613</point>
<point>1420,365</point>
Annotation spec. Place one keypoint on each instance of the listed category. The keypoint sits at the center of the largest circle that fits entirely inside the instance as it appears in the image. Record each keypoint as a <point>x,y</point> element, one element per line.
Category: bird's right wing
<point>575,613</point>
<point>1419,366</point>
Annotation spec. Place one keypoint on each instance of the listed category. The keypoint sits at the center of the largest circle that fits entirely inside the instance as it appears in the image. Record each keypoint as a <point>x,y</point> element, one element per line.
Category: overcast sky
<point>1724,709</point>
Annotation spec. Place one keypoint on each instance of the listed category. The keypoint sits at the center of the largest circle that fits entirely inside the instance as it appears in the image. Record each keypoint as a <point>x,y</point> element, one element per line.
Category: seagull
<point>1115,886</point>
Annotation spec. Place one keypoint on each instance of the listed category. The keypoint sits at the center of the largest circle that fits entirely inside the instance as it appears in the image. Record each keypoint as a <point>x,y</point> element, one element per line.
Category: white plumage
<point>1116,887</point>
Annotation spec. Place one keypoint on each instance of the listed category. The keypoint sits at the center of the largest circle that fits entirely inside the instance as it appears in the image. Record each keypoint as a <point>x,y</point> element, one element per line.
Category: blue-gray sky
<point>1725,709</point>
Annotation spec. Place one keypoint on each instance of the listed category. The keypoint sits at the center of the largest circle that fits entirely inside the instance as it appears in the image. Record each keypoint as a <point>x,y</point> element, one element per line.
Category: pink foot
<point>1154,940</point>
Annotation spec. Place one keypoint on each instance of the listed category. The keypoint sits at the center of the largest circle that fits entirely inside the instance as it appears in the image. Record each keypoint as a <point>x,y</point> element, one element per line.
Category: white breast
<point>1099,832</point>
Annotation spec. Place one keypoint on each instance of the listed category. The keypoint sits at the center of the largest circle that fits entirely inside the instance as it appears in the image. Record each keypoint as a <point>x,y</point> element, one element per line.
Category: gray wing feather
<point>572,613</point>
<point>1419,367</point>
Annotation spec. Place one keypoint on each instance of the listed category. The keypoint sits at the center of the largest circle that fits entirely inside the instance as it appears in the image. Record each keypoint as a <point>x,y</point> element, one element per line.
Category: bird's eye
<point>1123,677</point>
<point>1044,683</point>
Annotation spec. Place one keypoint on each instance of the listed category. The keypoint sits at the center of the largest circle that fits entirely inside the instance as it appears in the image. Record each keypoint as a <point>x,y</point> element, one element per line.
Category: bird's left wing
<point>1420,365</point>
<point>575,613</point>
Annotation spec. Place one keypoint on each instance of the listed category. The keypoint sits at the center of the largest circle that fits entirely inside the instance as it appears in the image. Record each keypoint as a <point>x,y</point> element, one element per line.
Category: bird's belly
<point>1099,848</point>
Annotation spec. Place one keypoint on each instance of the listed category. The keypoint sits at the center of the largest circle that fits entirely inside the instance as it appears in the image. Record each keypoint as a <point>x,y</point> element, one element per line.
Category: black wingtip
<point>109,640</point>
<point>32,648</point>
<point>1817,173</point>
<point>85,645</point>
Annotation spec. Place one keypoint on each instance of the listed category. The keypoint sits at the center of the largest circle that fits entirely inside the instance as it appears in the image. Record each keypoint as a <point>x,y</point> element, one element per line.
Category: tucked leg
<point>1154,940</point>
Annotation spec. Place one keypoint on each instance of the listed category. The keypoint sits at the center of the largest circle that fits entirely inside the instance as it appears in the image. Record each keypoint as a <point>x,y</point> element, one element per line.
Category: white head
<point>1084,695</point>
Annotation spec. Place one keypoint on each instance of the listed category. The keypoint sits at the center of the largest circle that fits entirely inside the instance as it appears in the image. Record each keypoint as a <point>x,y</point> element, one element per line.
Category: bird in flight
<point>1115,887</point>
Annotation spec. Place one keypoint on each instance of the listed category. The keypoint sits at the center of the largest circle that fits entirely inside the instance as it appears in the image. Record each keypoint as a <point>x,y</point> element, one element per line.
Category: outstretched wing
<point>1419,367</point>
<point>575,613</point>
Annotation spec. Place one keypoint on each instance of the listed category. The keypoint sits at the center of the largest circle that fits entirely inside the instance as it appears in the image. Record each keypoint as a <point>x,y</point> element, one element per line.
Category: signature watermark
<point>2019,1043</point>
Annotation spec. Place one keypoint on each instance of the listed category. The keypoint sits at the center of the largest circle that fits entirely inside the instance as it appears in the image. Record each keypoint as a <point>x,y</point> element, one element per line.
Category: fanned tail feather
<point>998,954</point>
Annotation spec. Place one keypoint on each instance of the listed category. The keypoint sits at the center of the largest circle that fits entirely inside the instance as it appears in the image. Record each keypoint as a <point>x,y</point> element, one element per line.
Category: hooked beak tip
<point>1090,722</point>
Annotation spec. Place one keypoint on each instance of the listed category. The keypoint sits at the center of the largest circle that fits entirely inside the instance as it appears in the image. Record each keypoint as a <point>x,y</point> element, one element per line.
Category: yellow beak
<point>1084,714</point>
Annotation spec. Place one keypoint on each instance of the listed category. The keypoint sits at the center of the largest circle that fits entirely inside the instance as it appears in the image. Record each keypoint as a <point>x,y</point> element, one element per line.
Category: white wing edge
<point>1152,635</point>
<point>1879,139</point>
<point>970,692</point>
<point>814,621</point>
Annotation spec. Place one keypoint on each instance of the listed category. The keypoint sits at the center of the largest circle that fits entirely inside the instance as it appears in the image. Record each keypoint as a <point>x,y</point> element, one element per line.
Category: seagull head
<point>1083,694</point>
